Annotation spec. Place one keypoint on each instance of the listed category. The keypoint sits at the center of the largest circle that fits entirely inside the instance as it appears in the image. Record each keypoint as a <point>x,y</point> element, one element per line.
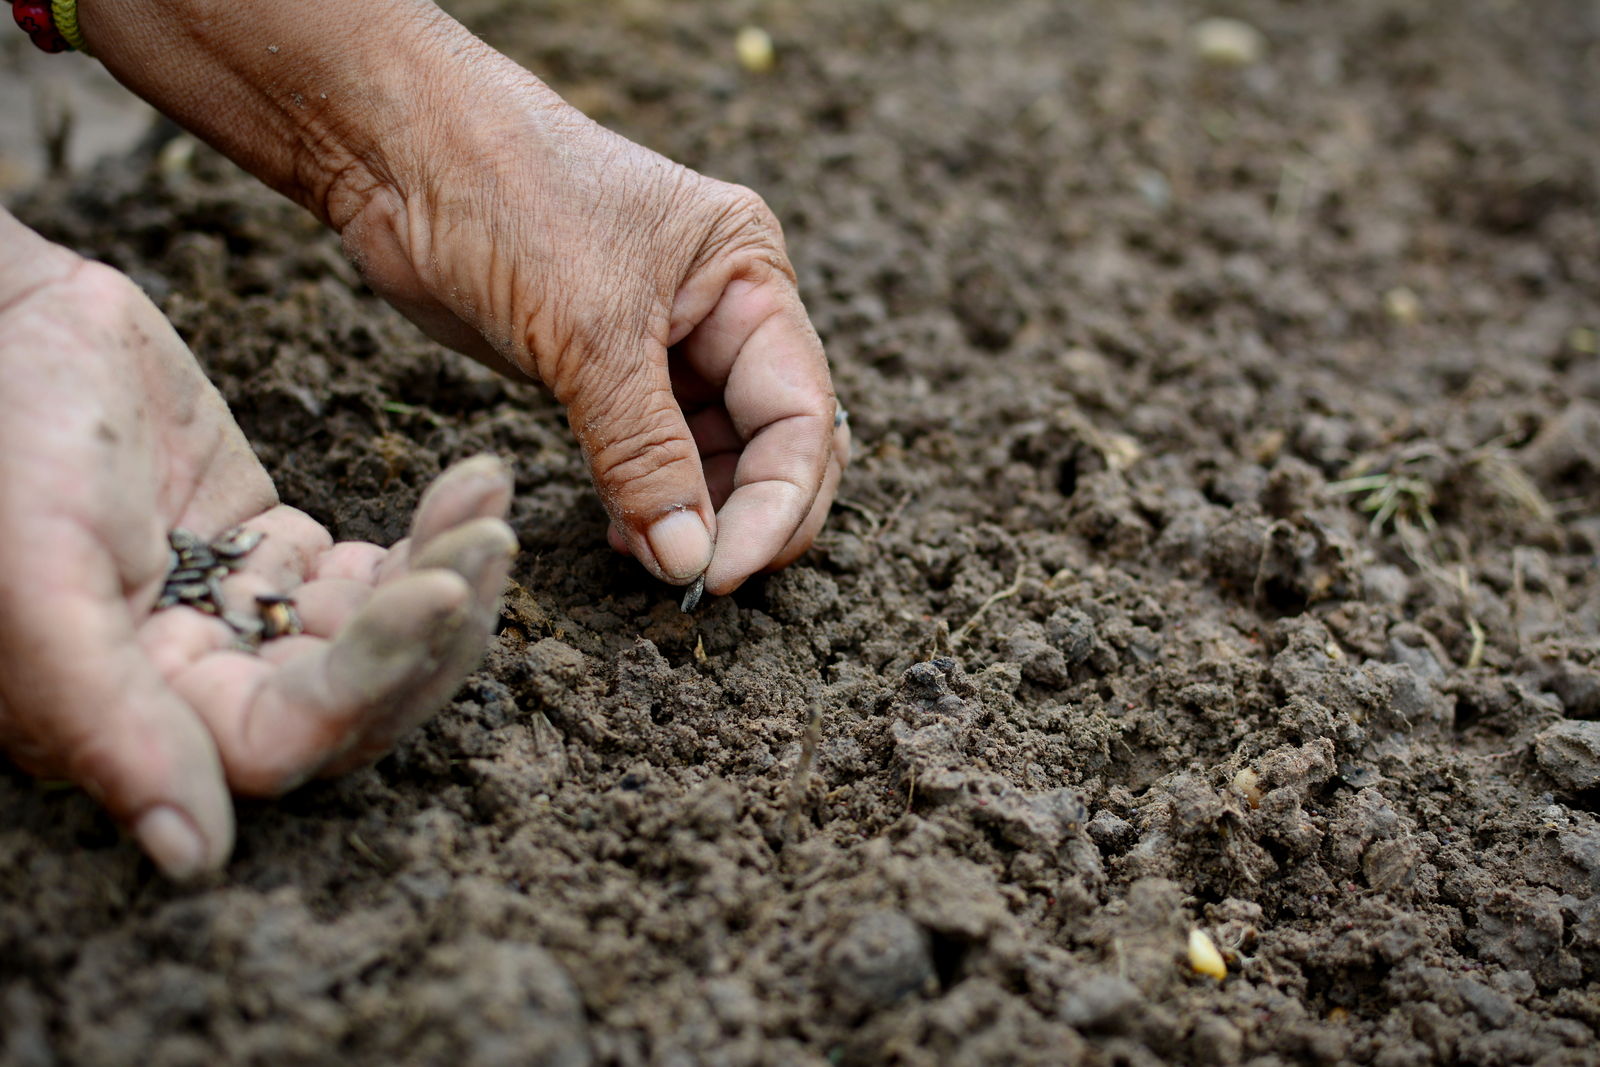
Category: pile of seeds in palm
<point>195,572</point>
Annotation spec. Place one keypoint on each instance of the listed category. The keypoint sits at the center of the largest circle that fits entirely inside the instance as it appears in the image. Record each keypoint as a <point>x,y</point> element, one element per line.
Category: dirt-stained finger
<point>480,551</point>
<point>757,342</point>
<point>814,522</point>
<point>475,488</point>
<point>397,660</point>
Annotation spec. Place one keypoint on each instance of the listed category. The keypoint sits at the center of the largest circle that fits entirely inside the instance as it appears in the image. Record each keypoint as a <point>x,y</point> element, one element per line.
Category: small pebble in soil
<point>1569,752</point>
<point>1100,1003</point>
<point>883,956</point>
<point>1110,831</point>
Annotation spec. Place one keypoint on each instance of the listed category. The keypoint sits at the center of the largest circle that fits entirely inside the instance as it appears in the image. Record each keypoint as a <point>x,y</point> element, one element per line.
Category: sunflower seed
<point>184,540</point>
<point>278,617</point>
<point>237,542</point>
<point>691,597</point>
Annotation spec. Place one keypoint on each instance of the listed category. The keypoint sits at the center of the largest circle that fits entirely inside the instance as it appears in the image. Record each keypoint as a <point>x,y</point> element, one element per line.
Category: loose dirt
<point>1099,644</point>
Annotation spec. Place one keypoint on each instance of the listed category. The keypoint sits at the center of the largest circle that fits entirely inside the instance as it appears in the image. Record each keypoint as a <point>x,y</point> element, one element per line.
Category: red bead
<point>36,21</point>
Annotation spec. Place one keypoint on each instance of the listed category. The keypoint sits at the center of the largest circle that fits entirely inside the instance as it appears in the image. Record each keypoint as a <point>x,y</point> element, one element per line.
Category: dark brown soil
<point>1100,651</point>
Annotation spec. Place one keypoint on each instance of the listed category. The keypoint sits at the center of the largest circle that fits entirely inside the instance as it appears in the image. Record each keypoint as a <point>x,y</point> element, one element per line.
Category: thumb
<point>644,462</point>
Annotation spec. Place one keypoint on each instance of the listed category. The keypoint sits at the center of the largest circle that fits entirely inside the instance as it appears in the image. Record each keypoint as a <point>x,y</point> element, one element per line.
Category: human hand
<point>658,305</point>
<point>110,436</point>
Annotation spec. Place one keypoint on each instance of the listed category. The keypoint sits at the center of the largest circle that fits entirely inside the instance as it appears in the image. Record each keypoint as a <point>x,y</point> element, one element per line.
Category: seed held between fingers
<point>691,597</point>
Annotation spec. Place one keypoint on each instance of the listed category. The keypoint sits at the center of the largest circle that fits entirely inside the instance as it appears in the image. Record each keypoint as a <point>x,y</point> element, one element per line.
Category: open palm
<point>110,436</point>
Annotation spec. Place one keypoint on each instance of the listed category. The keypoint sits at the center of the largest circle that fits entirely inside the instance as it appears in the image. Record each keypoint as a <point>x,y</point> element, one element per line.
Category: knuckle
<point>747,207</point>
<point>115,771</point>
<point>743,227</point>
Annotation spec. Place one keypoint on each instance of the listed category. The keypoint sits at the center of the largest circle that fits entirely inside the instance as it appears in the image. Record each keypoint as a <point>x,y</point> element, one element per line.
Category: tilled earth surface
<point>1099,647</point>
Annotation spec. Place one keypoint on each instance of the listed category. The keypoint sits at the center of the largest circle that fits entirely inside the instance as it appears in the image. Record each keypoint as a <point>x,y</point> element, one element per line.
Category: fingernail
<point>172,841</point>
<point>681,544</point>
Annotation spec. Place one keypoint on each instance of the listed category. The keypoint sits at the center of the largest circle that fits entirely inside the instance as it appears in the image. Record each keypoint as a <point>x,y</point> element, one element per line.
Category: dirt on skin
<point>1100,644</point>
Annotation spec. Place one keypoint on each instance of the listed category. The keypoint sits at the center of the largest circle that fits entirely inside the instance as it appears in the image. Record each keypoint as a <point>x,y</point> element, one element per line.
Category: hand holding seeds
<point>111,439</point>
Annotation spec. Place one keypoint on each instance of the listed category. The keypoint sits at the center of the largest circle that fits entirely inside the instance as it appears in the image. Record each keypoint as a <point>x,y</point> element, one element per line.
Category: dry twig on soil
<point>1005,594</point>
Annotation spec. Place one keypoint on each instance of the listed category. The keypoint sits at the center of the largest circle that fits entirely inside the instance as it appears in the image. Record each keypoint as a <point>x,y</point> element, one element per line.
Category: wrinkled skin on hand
<point>657,304</point>
<point>110,436</point>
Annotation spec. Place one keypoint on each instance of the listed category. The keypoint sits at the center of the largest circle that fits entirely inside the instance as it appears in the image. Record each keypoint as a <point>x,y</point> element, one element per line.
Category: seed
<point>1247,783</point>
<point>1224,42</point>
<point>199,557</point>
<point>754,48</point>
<point>691,598</point>
<point>278,617</point>
<point>1204,957</point>
<point>237,542</point>
<point>184,540</point>
<point>1402,305</point>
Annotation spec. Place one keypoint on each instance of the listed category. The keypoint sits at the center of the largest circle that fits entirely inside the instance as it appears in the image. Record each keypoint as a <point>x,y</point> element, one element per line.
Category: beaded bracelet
<point>52,25</point>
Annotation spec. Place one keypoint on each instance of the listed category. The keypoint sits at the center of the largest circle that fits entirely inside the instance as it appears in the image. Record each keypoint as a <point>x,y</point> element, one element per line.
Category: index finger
<point>758,342</point>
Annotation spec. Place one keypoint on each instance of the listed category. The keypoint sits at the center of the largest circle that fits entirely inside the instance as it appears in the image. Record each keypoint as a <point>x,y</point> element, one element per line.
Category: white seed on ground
<point>176,158</point>
<point>754,48</point>
<point>1247,783</point>
<point>1228,42</point>
<point>1402,305</point>
<point>1204,957</point>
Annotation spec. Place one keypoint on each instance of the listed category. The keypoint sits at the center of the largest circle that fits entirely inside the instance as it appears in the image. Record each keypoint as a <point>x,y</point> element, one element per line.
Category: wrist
<point>323,103</point>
